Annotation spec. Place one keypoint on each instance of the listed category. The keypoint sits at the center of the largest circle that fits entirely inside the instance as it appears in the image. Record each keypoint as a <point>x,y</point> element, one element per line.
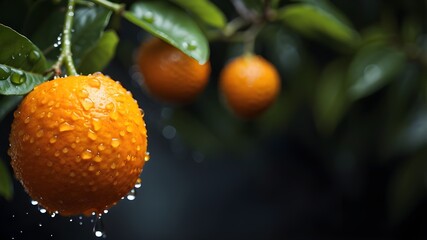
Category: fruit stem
<point>66,39</point>
<point>250,37</point>
<point>117,8</point>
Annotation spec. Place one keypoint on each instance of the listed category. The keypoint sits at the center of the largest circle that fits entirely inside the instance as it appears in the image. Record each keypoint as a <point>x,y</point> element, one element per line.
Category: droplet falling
<point>147,156</point>
<point>138,183</point>
<point>34,202</point>
<point>131,195</point>
<point>98,228</point>
<point>41,209</point>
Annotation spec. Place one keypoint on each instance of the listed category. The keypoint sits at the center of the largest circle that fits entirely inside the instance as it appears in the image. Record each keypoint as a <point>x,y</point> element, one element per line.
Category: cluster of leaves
<point>381,63</point>
<point>31,44</point>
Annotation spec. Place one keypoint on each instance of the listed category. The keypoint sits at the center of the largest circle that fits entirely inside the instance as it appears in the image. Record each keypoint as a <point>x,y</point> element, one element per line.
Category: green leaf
<point>407,188</point>
<point>171,24</point>
<point>330,99</point>
<point>99,56</point>
<point>7,103</point>
<point>372,68</point>
<point>6,186</point>
<point>21,63</point>
<point>88,26</point>
<point>205,10</point>
<point>18,82</point>
<point>326,6</point>
<point>314,22</point>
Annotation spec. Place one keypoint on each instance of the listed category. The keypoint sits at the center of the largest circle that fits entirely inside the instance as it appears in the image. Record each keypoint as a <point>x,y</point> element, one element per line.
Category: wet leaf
<point>6,186</point>
<point>171,24</point>
<point>330,100</point>
<point>21,63</point>
<point>372,68</point>
<point>88,26</point>
<point>315,22</point>
<point>18,82</point>
<point>99,56</point>
<point>205,10</point>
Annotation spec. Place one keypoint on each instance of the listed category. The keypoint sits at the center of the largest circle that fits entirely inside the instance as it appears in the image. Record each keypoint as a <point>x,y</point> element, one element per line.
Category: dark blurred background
<point>342,154</point>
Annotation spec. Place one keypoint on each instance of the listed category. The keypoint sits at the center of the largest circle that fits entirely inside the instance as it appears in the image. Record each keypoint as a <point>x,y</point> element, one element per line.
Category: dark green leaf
<point>18,82</point>
<point>326,6</point>
<point>99,56</point>
<point>88,26</point>
<point>7,103</point>
<point>407,188</point>
<point>205,10</point>
<point>19,52</point>
<point>330,100</point>
<point>47,35</point>
<point>315,22</point>
<point>372,68</point>
<point>21,63</point>
<point>171,24</point>
<point>6,186</point>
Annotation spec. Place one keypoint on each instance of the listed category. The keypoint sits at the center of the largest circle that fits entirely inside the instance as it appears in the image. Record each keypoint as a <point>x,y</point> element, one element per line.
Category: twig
<point>66,39</point>
<point>115,7</point>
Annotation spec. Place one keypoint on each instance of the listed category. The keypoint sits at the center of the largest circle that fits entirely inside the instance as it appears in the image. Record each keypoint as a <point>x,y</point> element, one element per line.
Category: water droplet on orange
<point>92,135</point>
<point>93,82</point>
<point>97,158</point>
<point>75,116</point>
<point>87,104</point>
<point>83,93</point>
<point>101,147</point>
<point>109,106</point>
<point>65,127</point>
<point>115,142</point>
<point>114,115</point>
<point>39,133</point>
<point>53,139</point>
<point>96,124</point>
<point>87,154</point>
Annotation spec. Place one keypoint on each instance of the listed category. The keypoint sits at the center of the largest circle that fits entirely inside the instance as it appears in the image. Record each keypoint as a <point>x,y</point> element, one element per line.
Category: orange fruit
<point>170,75</point>
<point>78,144</point>
<point>249,84</point>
